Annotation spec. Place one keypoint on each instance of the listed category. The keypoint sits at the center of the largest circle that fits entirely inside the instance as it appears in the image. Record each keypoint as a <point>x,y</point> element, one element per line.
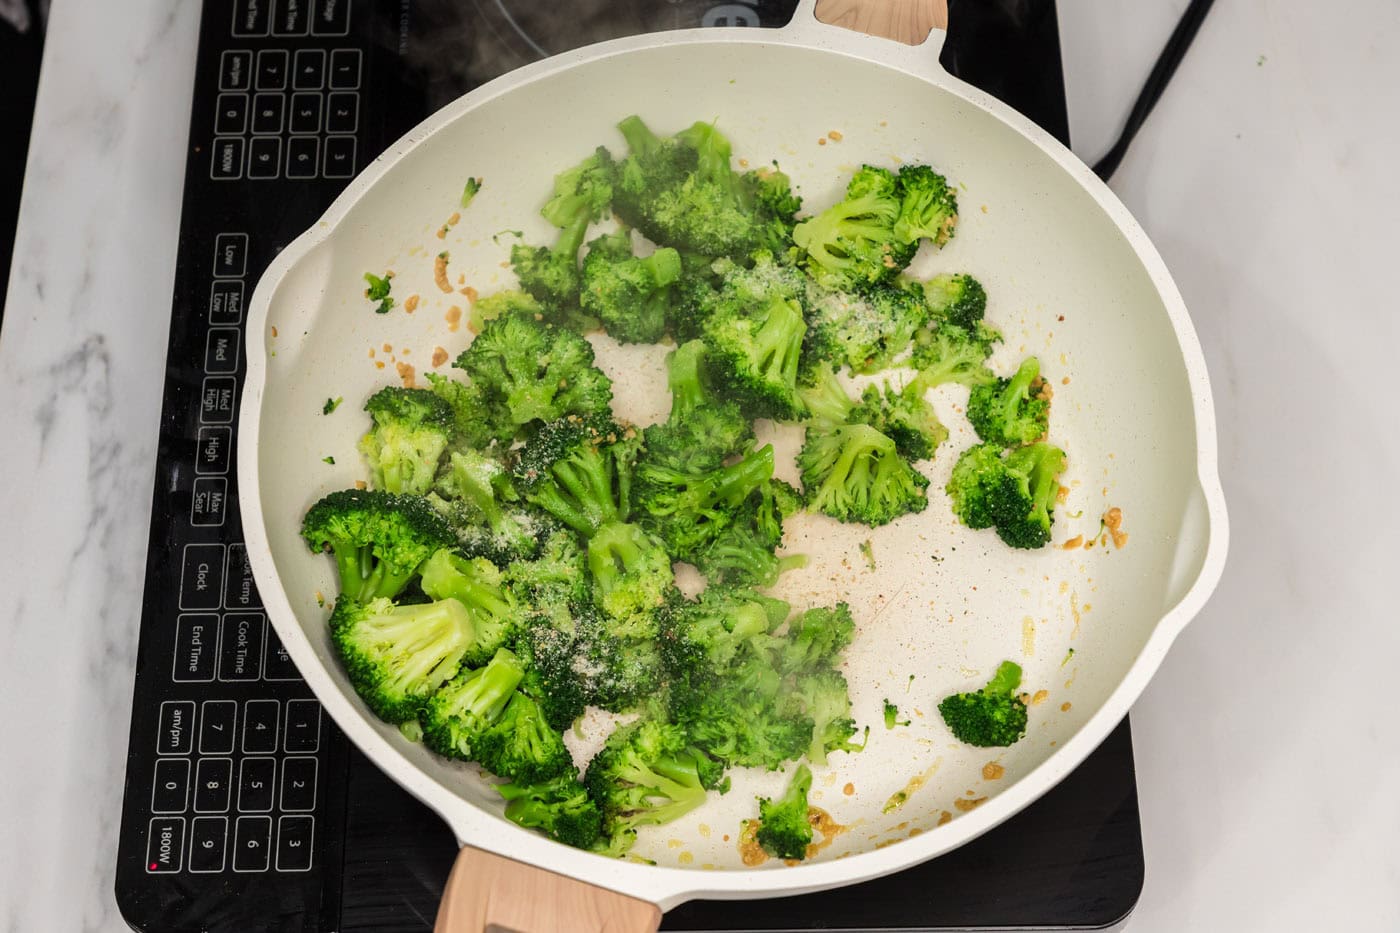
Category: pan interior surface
<point>943,605</point>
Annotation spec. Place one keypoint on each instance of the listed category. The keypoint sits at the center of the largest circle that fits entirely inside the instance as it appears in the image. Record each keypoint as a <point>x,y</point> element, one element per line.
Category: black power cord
<point>1157,81</point>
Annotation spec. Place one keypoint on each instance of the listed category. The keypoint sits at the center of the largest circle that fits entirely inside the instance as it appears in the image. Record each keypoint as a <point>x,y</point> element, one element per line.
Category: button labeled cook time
<point>202,576</point>
<point>241,646</point>
<point>289,17</point>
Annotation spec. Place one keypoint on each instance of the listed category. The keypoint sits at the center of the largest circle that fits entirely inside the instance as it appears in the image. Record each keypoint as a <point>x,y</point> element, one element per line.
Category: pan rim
<point>668,886</point>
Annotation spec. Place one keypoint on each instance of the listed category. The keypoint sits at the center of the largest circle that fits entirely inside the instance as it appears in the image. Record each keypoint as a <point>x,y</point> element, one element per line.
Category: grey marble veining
<point>81,357</point>
<point>1267,752</point>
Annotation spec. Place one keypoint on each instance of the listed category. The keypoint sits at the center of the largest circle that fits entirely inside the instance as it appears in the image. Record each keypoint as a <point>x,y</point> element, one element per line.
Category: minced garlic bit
<point>967,806</point>
<point>822,141</point>
<point>439,356</point>
<point>835,136</point>
<point>440,271</point>
<point>992,771</point>
<point>410,304</point>
<point>470,292</point>
<point>453,317</point>
<point>1113,521</point>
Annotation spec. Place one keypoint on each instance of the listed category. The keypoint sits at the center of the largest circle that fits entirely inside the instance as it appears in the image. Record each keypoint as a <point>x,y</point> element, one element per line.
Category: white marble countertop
<point>1268,748</point>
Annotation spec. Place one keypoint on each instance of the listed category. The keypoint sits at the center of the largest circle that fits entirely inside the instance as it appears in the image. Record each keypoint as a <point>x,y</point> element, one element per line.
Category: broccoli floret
<point>702,429</point>
<point>784,830</point>
<point>905,417</point>
<point>863,330</point>
<point>742,715</point>
<point>378,291</point>
<point>580,471</point>
<point>581,194</point>
<point>379,539</point>
<point>952,354</point>
<point>478,585</point>
<point>892,716</point>
<point>851,245</point>
<point>471,428</point>
<point>753,353</point>
<point>551,678</point>
<point>816,638</point>
<point>632,577</point>
<point>554,577</point>
<point>1036,470</point>
<point>647,773</point>
<point>1014,491</point>
<point>524,371</point>
<point>825,698</point>
<point>1011,411</point>
<point>994,716</point>
<point>687,510</point>
<point>469,704</point>
<point>411,429</point>
<point>739,555</point>
<point>928,207</point>
<point>560,808</point>
<point>507,301</point>
<point>701,639</point>
<point>827,403</point>
<point>520,745</point>
<point>629,294</point>
<point>854,474</point>
<point>694,296</point>
<point>478,498</point>
<point>682,192</point>
<point>955,298</point>
<point>397,656</point>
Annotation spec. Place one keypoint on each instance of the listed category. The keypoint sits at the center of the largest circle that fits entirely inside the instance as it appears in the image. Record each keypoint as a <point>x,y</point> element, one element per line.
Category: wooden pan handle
<point>907,21</point>
<point>489,893</point>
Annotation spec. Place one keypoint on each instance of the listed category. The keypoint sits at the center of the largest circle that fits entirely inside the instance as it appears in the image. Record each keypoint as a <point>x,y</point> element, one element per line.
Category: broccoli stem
<point>640,139</point>
<point>1019,388</point>
<point>683,377</point>
<point>1005,680</point>
<point>778,342</point>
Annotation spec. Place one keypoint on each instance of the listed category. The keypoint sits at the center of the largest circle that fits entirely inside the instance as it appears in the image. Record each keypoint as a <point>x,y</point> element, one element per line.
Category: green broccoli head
<point>753,353</point>
<point>553,677</point>
<point>630,295</point>
<point>953,354</point>
<point>1015,491</point>
<point>551,274</point>
<point>1024,520</point>
<point>701,639</point>
<point>579,469</point>
<point>475,493</point>
<point>702,429</point>
<point>827,403</point>
<point>854,474</point>
<point>741,555</point>
<point>554,577</point>
<point>864,330</point>
<point>379,539</point>
<point>632,578</point>
<point>905,417</point>
<point>1011,411</point>
<point>955,298</point>
<point>526,371</point>
<point>480,587</point>
<point>559,807</point>
<point>398,656</point>
<point>469,704</point>
<point>825,699</point>
<point>745,716</point>
<point>928,207</point>
<point>992,717</point>
<point>784,831</point>
<point>816,638</point>
<point>520,746</point>
<point>471,427</point>
<point>647,773</point>
<point>852,245</point>
<point>682,192</point>
<point>687,510</point>
<point>410,433</point>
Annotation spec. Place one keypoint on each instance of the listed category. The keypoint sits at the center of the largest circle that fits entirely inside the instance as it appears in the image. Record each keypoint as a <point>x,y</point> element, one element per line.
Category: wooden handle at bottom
<point>489,893</point>
<point>907,21</point>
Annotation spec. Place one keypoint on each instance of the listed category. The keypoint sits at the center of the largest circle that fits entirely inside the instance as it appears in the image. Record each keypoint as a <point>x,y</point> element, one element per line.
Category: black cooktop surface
<point>245,808</point>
